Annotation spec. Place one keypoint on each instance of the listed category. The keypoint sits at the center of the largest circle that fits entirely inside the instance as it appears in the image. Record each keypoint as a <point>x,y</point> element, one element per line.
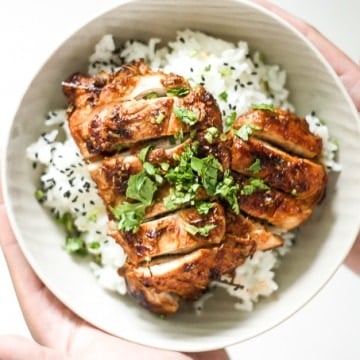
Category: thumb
<point>19,348</point>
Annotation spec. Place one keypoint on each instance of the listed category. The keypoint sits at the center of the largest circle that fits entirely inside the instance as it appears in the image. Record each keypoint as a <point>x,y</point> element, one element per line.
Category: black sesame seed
<point>74,199</point>
<point>232,67</point>
<point>249,83</point>
<point>182,40</point>
<point>191,69</point>
<point>254,73</point>
<point>92,202</point>
<point>34,165</point>
<point>67,194</point>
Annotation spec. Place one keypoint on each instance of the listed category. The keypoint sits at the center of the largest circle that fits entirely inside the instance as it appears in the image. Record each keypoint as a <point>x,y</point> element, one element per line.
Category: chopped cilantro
<point>203,230</point>
<point>203,207</point>
<point>151,95</point>
<point>75,245</point>
<point>227,190</point>
<point>225,72</point>
<point>210,134</point>
<point>223,96</point>
<point>160,118</point>
<point>230,119</point>
<point>129,215</point>
<point>207,68</point>
<point>177,91</point>
<point>141,188</point>
<point>187,116</point>
<point>253,186</point>
<point>245,131</point>
<point>40,195</point>
<point>255,167</point>
<point>268,107</point>
<point>144,152</point>
<point>208,169</point>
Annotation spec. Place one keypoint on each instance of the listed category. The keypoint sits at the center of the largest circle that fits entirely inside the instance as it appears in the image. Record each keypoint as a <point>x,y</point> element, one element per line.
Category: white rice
<point>221,67</point>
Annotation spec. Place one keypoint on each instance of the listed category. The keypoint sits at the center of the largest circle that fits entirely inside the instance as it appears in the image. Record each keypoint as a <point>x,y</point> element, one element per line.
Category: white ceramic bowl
<point>322,243</point>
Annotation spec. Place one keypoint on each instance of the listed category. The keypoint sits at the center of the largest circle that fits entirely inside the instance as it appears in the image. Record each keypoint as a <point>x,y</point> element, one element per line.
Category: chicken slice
<point>179,232</point>
<point>159,286</point>
<point>132,81</point>
<point>243,227</point>
<point>109,113</point>
<point>284,129</point>
<point>112,173</point>
<point>275,207</point>
<point>301,177</point>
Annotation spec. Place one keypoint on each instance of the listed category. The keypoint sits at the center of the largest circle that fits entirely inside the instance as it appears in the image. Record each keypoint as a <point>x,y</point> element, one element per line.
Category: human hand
<point>348,72</point>
<point>59,333</point>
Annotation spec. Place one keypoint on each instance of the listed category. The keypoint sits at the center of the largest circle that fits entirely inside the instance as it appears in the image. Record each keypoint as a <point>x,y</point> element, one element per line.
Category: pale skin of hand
<point>60,334</point>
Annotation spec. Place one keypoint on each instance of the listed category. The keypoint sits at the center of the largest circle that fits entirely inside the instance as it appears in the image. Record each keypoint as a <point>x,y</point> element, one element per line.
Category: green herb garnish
<point>228,190</point>
<point>203,230</point>
<point>187,116</point>
<point>177,91</point>
<point>230,119</point>
<point>255,167</point>
<point>223,96</point>
<point>211,134</point>
<point>268,107</point>
<point>253,186</point>
<point>203,207</point>
<point>151,95</point>
<point>245,131</point>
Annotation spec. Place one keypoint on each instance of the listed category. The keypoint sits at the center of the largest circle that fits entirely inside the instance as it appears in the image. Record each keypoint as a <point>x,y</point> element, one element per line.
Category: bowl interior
<point>322,243</point>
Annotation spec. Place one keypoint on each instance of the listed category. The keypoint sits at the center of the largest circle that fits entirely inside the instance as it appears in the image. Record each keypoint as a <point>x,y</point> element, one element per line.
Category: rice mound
<point>237,79</point>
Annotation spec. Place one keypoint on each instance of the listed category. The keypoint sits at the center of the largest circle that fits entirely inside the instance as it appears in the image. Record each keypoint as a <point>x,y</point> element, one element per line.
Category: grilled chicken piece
<point>243,227</point>
<point>169,259</point>
<point>276,207</point>
<point>109,122</point>
<point>132,81</point>
<point>172,234</point>
<point>112,173</point>
<point>293,175</point>
<point>186,277</point>
<point>284,129</point>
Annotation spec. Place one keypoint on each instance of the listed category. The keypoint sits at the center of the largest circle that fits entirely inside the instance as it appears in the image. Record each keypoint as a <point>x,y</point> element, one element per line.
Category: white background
<point>328,327</point>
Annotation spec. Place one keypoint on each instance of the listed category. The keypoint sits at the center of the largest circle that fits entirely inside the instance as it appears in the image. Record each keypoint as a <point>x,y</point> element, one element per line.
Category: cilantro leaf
<point>144,152</point>
<point>268,107</point>
<point>253,186</point>
<point>245,131</point>
<point>140,187</point>
<point>129,215</point>
<point>203,207</point>
<point>255,167</point>
<point>203,230</point>
<point>223,96</point>
<point>228,190</point>
<point>177,91</point>
<point>187,116</point>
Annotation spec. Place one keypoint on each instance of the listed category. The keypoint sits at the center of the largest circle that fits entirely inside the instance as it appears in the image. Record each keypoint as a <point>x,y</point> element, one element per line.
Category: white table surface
<point>328,327</point>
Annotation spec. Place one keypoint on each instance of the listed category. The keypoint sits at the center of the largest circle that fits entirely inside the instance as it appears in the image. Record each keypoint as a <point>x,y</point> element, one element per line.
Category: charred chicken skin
<point>188,203</point>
